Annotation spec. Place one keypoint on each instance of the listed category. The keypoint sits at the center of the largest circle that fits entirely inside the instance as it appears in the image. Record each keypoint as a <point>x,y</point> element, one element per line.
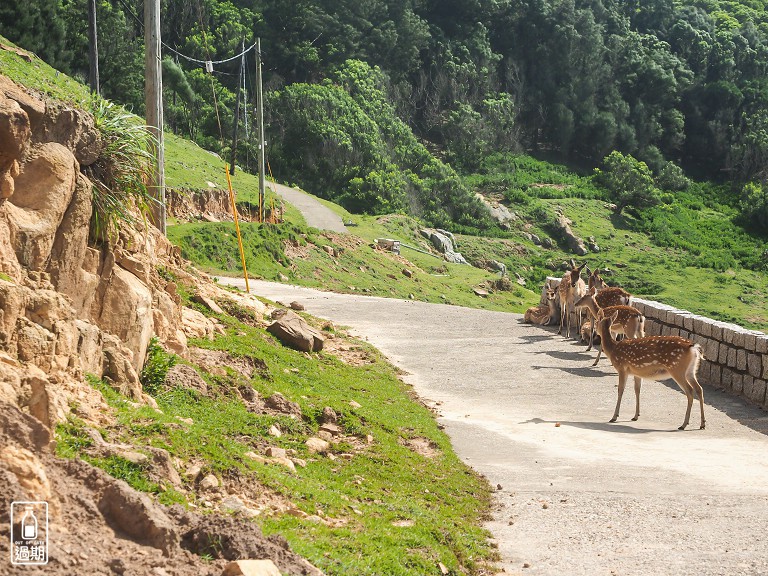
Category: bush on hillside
<point>628,181</point>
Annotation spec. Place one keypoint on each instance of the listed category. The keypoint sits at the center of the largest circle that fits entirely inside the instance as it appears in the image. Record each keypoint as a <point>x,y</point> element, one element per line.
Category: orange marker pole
<point>237,228</point>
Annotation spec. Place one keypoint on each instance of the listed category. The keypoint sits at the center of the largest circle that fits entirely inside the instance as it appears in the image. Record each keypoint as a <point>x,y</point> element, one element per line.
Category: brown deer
<point>589,333</point>
<point>605,296</point>
<point>543,313</point>
<point>630,321</point>
<point>571,288</point>
<point>656,357</point>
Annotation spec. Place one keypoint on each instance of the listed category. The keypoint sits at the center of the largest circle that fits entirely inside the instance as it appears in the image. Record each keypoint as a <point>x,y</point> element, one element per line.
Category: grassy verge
<point>394,510</point>
<point>302,256</point>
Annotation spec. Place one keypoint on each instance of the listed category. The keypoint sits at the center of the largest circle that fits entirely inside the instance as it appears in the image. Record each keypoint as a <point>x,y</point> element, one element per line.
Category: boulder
<point>118,368</point>
<point>126,312</point>
<point>73,128</point>
<point>43,192</point>
<point>281,404</point>
<point>575,243</point>
<point>132,513</point>
<point>184,376</point>
<point>292,329</point>
<point>15,130</point>
<point>195,324</point>
<point>251,568</point>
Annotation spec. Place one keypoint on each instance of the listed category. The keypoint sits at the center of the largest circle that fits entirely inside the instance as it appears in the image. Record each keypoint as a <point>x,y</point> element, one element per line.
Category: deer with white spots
<point>571,288</point>
<point>604,296</point>
<point>656,357</point>
<point>629,321</point>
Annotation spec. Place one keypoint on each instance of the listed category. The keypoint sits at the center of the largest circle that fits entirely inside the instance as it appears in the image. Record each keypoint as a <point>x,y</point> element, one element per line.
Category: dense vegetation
<point>350,83</point>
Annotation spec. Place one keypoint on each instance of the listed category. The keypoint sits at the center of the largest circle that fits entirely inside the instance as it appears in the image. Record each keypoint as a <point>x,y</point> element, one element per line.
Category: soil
<point>99,525</point>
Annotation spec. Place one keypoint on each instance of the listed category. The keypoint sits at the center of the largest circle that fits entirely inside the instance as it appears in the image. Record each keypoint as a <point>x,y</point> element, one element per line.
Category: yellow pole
<point>237,228</point>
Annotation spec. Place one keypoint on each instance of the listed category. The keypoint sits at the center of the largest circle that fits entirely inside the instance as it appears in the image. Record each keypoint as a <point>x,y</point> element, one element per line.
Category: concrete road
<point>316,214</point>
<point>585,497</point>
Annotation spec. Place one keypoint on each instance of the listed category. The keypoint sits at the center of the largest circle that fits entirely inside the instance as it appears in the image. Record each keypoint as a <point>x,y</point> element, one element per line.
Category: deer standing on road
<point>571,288</point>
<point>605,296</point>
<point>630,321</point>
<point>543,313</point>
<point>656,357</point>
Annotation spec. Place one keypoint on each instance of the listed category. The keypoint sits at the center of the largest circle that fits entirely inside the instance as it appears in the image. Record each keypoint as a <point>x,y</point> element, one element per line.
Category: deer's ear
<point>593,291</point>
<point>614,316</point>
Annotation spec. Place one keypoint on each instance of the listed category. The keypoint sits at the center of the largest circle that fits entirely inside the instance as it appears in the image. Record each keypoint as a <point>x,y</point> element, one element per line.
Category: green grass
<point>383,484</point>
<point>37,75</point>
<point>189,167</point>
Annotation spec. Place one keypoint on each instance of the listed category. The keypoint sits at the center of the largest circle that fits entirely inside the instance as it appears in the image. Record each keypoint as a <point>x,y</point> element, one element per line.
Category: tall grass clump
<point>120,174</point>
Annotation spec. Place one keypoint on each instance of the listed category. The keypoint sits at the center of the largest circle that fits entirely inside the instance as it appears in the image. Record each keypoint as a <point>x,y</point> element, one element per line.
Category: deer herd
<point>610,316</point>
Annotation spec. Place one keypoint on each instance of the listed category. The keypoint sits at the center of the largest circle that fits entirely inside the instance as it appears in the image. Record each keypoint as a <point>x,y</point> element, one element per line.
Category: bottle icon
<point>29,525</point>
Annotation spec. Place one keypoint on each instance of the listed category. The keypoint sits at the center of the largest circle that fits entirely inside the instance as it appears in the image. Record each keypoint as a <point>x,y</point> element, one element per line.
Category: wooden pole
<point>233,155</point>
<point>93,49</point>
<point>260,128</point>
<point>153,94</point>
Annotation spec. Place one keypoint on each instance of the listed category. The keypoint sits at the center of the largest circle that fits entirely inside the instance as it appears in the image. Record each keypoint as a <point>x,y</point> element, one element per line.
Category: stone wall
<point>735,359</point>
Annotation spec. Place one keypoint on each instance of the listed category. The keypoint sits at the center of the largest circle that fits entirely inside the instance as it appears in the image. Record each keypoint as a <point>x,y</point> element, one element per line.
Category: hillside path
<point>315,213</point>
<point>585,497</point>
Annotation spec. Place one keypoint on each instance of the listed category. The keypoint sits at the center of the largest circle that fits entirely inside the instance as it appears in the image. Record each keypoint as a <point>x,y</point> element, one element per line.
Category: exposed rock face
<point>70,307</point>
<point>444,242</point>
<point>575,243</point>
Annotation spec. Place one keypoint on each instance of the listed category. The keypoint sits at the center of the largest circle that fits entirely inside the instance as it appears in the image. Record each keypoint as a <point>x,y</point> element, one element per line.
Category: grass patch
<point>398,512</point>
<point>27,69</point>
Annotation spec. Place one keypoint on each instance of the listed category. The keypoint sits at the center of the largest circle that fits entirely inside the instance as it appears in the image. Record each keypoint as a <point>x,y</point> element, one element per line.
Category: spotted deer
<point>608,295</point>
<point>605,296</point>
<point>543,313</point>
<point>571,288</point>
<point>656,357</point>
<point>629,321</point>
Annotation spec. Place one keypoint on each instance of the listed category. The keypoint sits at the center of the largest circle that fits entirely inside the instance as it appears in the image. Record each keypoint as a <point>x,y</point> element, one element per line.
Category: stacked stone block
<point>735,358</point>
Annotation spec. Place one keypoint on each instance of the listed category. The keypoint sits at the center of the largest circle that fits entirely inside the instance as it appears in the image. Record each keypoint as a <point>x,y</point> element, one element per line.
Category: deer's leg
<point>562,317</point>
<point>688,389</point>
<point>622,384</point>
<point>638,381</point>
<point>592,332</point>
<point>599,352</point>
<point>699,391</point>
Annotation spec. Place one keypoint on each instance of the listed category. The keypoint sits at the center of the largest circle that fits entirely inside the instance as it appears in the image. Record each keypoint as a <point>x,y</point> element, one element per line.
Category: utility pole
<point>153,97</point>
<point>93,48</point>
<point>260,128</point>
<point>233,155</point>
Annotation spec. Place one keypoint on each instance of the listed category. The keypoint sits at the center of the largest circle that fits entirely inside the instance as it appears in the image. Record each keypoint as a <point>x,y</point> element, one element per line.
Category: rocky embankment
<point>72,306</point>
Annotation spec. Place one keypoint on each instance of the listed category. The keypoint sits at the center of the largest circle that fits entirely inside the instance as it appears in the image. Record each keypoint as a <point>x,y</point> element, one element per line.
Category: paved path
<point>316,214</point>
<point>586,497</point>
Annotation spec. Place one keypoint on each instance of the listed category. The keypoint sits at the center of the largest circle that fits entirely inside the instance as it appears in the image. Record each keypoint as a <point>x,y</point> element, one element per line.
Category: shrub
<point>120,173</point>
<point>156,367</point>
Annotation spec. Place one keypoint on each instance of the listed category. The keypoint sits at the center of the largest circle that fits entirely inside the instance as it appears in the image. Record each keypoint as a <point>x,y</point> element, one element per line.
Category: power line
<point>130,11</point>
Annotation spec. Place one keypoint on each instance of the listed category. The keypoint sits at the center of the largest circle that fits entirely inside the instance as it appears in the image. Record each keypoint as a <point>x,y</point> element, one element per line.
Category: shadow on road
<point>570,356</point>
<point>602,426</point>
<point>535,338</point>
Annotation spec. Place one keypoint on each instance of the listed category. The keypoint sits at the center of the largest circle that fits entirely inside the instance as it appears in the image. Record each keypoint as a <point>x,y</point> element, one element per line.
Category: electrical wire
<point>130,11</point>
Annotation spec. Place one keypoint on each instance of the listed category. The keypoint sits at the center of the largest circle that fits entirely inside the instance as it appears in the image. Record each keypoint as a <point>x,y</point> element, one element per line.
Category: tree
<point>37,26</point>
<point>754,204</point>
<point>628,181</point>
